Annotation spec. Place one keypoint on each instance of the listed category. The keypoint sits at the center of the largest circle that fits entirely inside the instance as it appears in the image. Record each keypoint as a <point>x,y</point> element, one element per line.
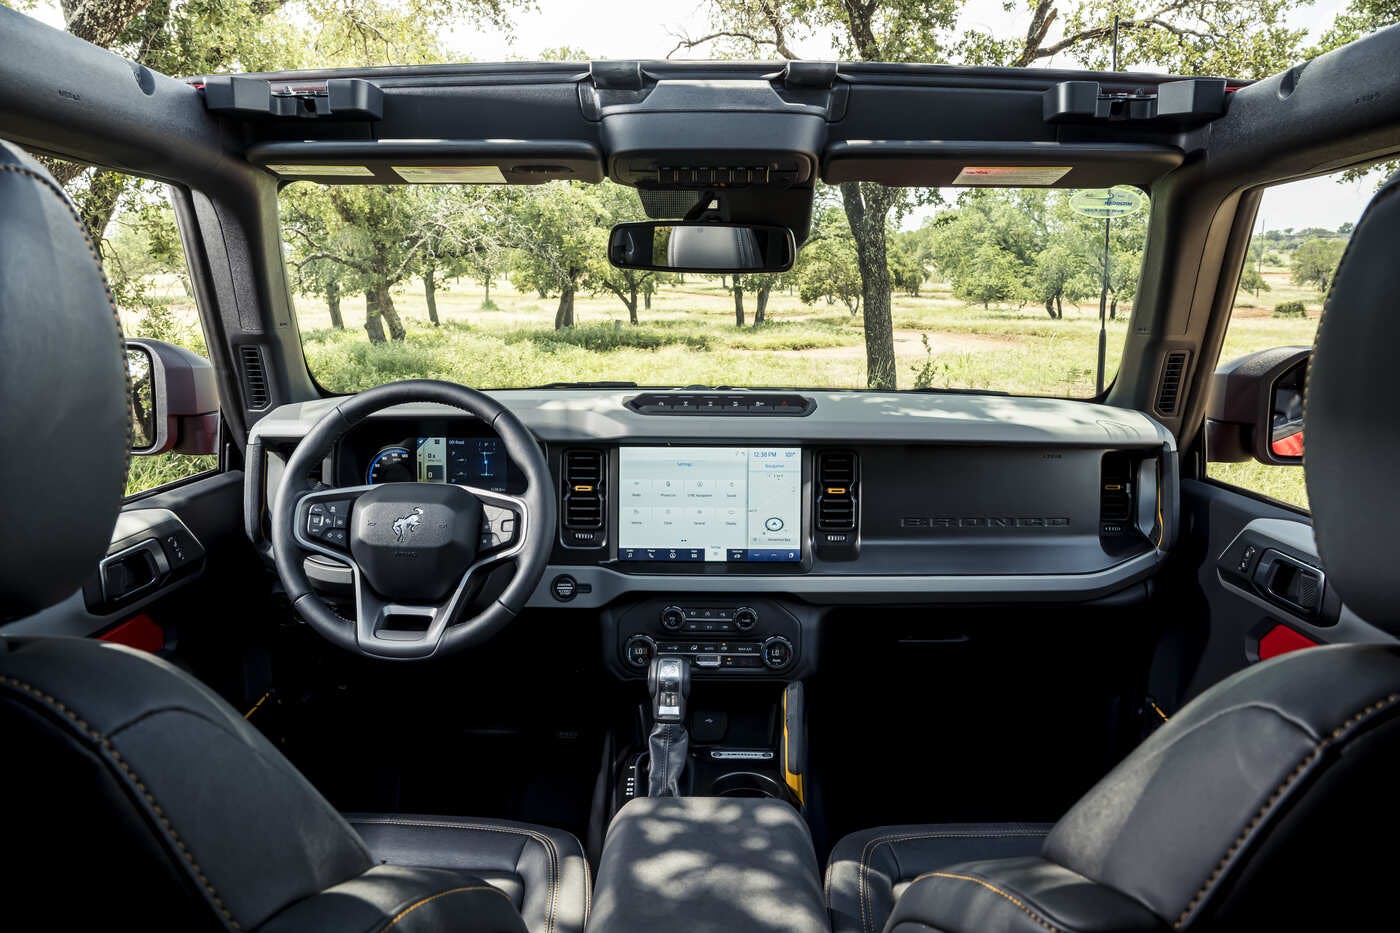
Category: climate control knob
<point>745,618</point>
<point>672,618</point>
<point>777,653</point>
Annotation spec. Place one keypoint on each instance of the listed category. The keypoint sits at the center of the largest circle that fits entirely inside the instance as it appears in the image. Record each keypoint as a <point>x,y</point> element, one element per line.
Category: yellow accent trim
<point>1156,709</point>
<point>1161,525</point>
<point>1113,487</point>
<point>836,490</point>
<point>428,900</point>
<point>583,489</point>
<point>256,706</point>
<point>794,781</point>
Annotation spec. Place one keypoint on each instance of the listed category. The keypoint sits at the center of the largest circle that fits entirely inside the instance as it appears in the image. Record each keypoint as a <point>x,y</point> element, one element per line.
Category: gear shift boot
<point>668,680</point>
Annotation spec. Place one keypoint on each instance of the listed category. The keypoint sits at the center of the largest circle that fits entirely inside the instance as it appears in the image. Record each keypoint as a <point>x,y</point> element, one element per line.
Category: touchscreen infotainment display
<point>710,504</point>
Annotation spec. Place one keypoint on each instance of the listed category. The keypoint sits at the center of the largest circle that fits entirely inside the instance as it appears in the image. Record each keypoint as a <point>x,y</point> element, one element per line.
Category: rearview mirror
<point>1256,408</point>
<point>701,247</point>
<point>174,401</point>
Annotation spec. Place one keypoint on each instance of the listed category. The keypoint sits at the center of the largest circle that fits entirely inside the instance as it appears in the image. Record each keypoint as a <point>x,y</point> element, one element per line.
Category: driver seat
<point>135,795</point>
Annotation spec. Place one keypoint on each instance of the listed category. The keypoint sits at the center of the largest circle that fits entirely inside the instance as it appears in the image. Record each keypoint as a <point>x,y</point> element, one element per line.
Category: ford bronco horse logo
<point>407,524</point>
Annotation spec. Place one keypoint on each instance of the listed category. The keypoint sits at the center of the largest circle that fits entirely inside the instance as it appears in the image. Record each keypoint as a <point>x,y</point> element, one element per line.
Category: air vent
<point>1115,494</point>
<point>838,478</point>
<point>584,499</point>
<point>254,378</point>
<point>1169,389</point>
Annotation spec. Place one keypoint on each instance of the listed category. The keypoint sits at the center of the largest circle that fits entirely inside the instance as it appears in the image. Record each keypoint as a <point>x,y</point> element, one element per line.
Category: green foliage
<point>1315,262</point>
<point>1290,309</point>
<point>827,267</point>
<point>605,338</point>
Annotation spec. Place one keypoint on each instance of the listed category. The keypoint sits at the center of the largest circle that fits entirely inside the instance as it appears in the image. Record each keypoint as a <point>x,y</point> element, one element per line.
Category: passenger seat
<point>870,869</point>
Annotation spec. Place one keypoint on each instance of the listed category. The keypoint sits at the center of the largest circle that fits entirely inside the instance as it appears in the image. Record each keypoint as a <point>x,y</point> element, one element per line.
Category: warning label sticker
<point>1011,175</point>
<point>450,174</point>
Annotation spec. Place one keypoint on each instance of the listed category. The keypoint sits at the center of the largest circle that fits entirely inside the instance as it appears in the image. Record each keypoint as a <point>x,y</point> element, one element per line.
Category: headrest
<point>1352,418</point>
<point>64,432</point>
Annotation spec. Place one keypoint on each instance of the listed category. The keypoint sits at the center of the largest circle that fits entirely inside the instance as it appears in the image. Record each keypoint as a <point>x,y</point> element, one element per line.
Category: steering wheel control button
<point>639,651</point>
<point>564,587</point>
<point>777,653</point>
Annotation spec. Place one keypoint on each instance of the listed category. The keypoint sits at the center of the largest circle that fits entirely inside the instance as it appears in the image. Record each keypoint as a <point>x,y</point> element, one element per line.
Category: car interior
<point>431,656</point>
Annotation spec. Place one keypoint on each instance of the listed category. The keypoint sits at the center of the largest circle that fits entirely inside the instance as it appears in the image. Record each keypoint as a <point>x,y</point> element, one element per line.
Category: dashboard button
<point>777,653</point>
<point>564,587</point>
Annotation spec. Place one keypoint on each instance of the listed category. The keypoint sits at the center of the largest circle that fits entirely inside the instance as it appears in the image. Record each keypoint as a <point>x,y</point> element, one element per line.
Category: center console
<point>721,864</point>
<point>752,638</point>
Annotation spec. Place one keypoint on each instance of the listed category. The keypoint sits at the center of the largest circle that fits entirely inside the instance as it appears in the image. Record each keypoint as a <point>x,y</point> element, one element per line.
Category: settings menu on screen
<point>710,504</point>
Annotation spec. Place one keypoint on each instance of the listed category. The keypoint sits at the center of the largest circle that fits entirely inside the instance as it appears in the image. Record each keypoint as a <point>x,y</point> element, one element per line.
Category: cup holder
<point>747,784</point>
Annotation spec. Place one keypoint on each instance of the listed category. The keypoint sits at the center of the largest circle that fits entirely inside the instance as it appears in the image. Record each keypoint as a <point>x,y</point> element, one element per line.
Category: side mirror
<point>174,400</point>
<point>1256,408</point>
<point>701,247</point>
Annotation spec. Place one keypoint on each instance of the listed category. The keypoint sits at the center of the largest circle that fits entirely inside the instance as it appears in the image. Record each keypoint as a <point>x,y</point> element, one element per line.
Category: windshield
<point>994,289</point>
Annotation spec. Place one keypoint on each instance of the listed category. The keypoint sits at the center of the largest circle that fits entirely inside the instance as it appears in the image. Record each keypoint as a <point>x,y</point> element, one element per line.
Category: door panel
<point>1255,567</point>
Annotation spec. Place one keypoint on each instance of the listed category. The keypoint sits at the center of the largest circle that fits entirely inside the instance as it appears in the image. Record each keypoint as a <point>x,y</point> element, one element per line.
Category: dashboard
<point>828,498</point>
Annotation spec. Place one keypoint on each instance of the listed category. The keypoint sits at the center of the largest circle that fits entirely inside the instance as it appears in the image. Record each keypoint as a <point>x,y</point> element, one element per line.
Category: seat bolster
<point>1017,895</point>
<point>543,871</point>
<point>868,870</point>
<point>408,900</point>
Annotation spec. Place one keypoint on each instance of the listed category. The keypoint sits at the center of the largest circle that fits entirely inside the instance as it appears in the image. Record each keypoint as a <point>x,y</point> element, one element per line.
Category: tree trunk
<point>632,306</point>
<point>738,305</point>
<point>380,310</point>
<point>486,302</point>
<point>1113,308</point>
<point>1059,308</point>
<point>646,297</point>
<point>1050,307</point>
<point>97,204</point>
<point>867,207</point>
<point>430,293</point>
<point>374,323</point>
<point>760,314</point>
<point>333,305</point>
<point>564,316</point>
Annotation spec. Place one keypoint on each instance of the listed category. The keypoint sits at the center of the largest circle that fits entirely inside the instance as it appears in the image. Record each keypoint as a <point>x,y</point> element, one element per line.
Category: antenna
<point>1103,294</point>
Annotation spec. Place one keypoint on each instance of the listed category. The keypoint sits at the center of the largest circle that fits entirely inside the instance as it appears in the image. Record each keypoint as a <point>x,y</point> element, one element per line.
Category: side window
<point>134,223</point>
<point>1299,236</point>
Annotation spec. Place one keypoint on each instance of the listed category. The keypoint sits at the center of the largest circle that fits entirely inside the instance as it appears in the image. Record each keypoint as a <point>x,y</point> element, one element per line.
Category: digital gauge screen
<point>466,461</point>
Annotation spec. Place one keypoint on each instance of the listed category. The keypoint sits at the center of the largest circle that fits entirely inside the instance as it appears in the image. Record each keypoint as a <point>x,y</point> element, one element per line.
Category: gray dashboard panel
<point>986,427</point>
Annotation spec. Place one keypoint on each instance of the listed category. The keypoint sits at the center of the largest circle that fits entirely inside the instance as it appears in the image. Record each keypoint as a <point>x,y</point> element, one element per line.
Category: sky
<point>629,29</point>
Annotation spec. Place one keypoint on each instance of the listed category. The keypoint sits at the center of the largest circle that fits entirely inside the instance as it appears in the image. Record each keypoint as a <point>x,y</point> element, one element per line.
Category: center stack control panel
<point>719,638</point>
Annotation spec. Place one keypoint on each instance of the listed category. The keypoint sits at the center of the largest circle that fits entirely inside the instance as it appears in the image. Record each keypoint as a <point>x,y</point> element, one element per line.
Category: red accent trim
<point>1281,640</point>
<point>139,632</point>
<point>1290,446</point>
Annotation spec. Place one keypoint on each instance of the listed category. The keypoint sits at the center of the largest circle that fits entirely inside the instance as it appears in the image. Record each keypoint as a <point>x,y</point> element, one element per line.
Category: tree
<point>910,259</point>
<point>1248,39</point>
<point>562,239</point>
<point>630,285</point>
<point>828,266</point>
<point>1252,279</point>
<point>1315,262</point>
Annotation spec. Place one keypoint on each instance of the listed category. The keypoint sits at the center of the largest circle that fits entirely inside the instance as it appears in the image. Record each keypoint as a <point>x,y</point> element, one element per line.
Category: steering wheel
<point>419,551</point>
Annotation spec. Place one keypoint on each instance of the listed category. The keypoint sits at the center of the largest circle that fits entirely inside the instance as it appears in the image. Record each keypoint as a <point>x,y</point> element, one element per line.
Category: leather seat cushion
<point>869,870</point>
<point>543,871</point>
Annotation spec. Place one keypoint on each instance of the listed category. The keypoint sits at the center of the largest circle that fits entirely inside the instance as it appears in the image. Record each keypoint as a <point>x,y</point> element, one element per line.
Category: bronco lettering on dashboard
<point>976,522</point>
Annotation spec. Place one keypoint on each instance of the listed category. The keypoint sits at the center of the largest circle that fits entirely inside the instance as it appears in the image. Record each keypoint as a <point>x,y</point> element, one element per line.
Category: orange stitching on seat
<point>428,900</point>
<point>101,275</point>
<point>1274,798</point>
<point>998,891</point>
<point>863,866</point>
<point>101,739</point>
<point>542,839</point>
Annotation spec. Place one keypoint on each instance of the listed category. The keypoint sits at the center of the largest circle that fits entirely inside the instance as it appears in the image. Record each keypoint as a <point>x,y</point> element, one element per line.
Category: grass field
<point>688,337</point>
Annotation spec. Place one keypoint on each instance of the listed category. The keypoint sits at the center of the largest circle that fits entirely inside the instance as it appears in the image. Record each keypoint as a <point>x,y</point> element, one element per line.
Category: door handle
<point>1289,582</point>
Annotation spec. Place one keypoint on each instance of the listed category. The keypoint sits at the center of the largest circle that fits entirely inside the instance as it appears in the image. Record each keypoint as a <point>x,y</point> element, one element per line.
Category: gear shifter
<point>668,681</point>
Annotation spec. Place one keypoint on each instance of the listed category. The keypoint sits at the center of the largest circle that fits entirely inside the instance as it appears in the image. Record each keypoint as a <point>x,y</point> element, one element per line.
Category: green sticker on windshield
<point>1108,203</point>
